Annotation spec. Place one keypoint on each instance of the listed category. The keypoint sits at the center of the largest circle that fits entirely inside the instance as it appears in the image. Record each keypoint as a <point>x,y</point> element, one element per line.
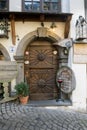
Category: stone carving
<point>8,71</point>
<point>63,49</point>
<point>41,83</point>
<point>68,79</point>
<point>42,32</point>
<point>41,56</point>
<point>64,43</point>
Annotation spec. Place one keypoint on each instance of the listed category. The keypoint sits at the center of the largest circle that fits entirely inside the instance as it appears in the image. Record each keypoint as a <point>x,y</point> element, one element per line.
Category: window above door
<point>42,5</point>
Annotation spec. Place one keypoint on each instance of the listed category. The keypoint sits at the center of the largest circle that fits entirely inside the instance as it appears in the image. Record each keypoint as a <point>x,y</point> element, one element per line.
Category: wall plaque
<point>68,83</point>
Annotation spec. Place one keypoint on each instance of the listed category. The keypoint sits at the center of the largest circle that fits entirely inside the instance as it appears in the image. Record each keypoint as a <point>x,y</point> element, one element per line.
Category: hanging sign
<point>66,75</point>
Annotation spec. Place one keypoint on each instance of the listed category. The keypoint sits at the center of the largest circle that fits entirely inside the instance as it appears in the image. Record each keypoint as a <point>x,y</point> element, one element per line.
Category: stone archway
<point>62,45</point>
<point>5,53</point>
<point>41,33</point>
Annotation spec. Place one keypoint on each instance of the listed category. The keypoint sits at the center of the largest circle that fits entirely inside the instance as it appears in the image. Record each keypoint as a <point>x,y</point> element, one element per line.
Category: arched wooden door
<point>41,64</point>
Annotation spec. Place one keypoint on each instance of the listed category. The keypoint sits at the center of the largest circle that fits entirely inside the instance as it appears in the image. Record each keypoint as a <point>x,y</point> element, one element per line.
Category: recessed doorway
<point>40,67</point>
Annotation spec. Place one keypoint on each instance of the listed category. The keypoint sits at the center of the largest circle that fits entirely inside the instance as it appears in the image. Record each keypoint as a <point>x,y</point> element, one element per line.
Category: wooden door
<point>41,64</point>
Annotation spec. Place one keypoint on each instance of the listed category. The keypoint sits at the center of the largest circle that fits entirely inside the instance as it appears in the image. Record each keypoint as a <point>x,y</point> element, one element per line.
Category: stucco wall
<point>80,93</point>
<point>15,5</point>
<point>65,6</point>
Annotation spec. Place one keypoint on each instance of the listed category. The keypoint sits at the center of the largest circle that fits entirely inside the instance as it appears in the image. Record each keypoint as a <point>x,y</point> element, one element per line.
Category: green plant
<point>22,89</point>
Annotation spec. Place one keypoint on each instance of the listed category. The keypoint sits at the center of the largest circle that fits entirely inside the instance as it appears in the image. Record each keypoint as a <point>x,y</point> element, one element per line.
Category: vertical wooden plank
<point>42,17</point>
<point>67,26</point>
<point>13,30</point>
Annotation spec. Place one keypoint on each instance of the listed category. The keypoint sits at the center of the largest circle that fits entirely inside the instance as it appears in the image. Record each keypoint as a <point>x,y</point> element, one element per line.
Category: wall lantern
<point>53,25</point>
<point>81,28</point>
<point>4,28</point>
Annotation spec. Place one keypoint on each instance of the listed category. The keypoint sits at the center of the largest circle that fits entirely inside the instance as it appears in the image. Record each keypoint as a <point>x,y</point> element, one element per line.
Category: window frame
<point>85,6</point>
<point>7,6</point>
<point>41,7</point>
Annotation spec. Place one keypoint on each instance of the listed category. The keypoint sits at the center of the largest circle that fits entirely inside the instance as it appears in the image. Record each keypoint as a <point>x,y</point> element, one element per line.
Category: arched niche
<point>41,32</point>
<point>5,53</point>
<point>28,38</point>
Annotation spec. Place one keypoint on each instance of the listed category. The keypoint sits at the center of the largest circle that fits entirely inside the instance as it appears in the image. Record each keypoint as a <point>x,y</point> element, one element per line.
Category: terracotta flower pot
<point>23,100</point>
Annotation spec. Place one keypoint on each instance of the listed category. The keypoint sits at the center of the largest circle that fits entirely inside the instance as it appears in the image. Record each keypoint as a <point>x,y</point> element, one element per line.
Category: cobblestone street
<point>24,117</point>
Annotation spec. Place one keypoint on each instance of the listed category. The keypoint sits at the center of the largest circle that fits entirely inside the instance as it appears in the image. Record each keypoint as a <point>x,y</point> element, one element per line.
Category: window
<point>42,5</point>
<point>3,5</point>
<point>85,9</point>
<point>52,5</point>
<point>30,5</point>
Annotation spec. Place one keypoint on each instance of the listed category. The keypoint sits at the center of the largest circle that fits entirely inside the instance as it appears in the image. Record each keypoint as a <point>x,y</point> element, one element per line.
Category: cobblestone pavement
<point>24,117</point>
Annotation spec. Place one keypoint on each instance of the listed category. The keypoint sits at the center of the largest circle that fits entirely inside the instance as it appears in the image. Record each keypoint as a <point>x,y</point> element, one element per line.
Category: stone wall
<point>80,53</point>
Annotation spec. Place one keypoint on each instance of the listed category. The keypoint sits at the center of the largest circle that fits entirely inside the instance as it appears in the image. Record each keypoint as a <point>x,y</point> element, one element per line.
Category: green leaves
<point>22,89</point>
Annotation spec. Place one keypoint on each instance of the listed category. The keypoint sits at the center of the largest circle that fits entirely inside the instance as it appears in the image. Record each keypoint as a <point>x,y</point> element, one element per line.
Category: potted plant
<point>22,90</point>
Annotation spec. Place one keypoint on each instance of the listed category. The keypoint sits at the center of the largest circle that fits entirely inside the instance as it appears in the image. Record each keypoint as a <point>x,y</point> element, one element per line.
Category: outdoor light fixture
<point>4,28</point>
<point>42,24</point>
<point>55,52</point>
<point>53,25</point>
<point>66,51</point>
<point>17,36</point>
<point>81,28</point>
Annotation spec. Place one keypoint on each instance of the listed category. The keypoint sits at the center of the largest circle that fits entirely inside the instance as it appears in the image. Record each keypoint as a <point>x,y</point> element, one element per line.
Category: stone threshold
<point>44,103</point>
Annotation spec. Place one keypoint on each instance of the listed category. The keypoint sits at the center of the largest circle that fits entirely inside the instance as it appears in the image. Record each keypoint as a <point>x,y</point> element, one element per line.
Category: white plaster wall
<point>65,6</point>
<point>79,94</point>
<point>15,5</point>
<point>77,8</point>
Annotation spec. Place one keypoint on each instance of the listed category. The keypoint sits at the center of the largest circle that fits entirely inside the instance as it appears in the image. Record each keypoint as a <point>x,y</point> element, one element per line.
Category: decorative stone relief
<point>63,49</point>
<point>6,94</point>
<point>8,72</point>
<point>42,32</point>
<point>65,43</point>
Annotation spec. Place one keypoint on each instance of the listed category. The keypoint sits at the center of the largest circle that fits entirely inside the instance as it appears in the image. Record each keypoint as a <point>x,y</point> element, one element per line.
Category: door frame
<point>41,70</point>
<point>28,38</point>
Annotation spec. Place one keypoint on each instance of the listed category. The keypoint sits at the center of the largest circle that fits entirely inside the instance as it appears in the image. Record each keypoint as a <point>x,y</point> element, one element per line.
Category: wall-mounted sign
<point>12,49</point>
<point>68,83</point>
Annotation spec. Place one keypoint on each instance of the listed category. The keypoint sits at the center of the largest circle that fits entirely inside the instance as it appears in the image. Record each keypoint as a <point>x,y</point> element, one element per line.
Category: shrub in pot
<point>22,90</point>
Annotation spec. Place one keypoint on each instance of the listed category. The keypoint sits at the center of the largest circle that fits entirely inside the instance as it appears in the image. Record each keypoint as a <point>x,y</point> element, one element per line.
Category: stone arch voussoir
<point>5,52</point>
<point>28,38</point>
<point>40,32</point>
